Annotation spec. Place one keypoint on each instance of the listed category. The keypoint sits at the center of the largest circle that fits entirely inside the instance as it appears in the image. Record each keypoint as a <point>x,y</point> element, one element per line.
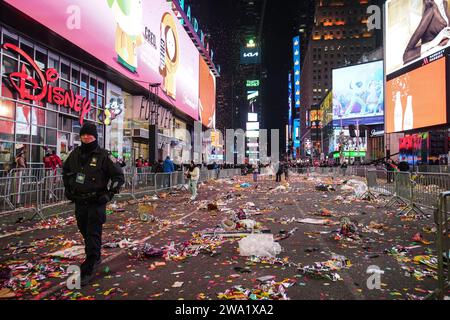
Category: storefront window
<point>39,116</point>
<point>37,154</point>
<point>75,76</point>
<point>38,134</point>
<point>7,108</point>
<point>50,137</point>
<point>6,130</point>
<point>9,65</point>
<point>41,60</point>
<point>93,84</point>
<point>53,63</point>
<point>84,80</point>
<point>51,119</point>
<point>65,124</point>
<point>13,39</point>
<point>6,152</point>
<point>65,71</point>
<point>101,88</point>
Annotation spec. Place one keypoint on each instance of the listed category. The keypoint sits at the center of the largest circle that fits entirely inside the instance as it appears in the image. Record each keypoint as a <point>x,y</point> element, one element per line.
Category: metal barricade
<point>144,183</point>
<point>51,192</point>
<point>441,218</point>
<point>19,193</point>
<point>429,186</point>
<point>162,181</point>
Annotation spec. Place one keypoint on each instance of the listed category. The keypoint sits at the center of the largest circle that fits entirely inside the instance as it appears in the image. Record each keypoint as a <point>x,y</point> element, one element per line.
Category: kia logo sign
<point>251,55</point>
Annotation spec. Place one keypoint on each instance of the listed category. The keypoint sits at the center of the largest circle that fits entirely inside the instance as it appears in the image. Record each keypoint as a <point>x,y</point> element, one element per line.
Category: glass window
<point>65,71</point>
<point>39,116</point>
<point>37,154</point>
<point>7,109</point>
<point>65,124</point>
<point>41,60</point>
<point>13,39</point>
<point>23,132</point>
<point>53,63</point>
<point>75,76</point>
<point>65,85</point>
<point>84,80</point>
<point>6,152</point>
<point>6,130</point>
<point>51,119</point>
<point>38,134</point>
<point>50,137</point>
<point>27,47</point>
<point>101,88</point>
<point>93,84</point>
<point>92,99</point>
<point>75,89</point>
<point>9,65</point>
<point>100,103</point>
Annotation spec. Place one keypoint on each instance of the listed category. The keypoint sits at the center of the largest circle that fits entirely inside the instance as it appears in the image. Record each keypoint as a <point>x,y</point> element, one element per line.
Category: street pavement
<point>196,265</point>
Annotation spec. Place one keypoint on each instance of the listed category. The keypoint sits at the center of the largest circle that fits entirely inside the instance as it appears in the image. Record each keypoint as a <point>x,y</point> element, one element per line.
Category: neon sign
<point>24,84</point>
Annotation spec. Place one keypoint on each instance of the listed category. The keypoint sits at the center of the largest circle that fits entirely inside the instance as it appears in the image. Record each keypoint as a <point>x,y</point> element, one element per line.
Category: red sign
<point>23,82</point>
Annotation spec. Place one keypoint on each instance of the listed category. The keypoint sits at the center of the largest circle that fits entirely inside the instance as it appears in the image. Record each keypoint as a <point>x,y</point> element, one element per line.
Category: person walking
<point>193,175</point>
<point>168,169</point>
<point>87,172</point>
<point>279,172</point>
<point>56,161</point>
<point>286,171</point>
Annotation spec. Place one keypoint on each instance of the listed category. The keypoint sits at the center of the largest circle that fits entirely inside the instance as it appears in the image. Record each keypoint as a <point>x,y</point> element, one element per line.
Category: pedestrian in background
<point>193,175</point>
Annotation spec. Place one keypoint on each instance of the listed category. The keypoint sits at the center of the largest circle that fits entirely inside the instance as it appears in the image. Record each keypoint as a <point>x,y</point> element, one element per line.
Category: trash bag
<point>359,187</point>
<point>248,223</point>
<point>260,245</point>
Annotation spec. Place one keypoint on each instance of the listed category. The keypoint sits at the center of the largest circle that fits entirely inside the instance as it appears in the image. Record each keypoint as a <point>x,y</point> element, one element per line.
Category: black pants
<point>278,177</point>
<point>90,220</point>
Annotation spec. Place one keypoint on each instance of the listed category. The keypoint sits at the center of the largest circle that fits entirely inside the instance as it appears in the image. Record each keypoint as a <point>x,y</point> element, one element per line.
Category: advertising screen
<point>358,94</point>
<point>415,29</point>
<point>417,99</point>
<point>348,143</point>
<point>142,40</point>
<point>207,95</point>
<point>297,70</point>
<point>327,109</point>
<point>411,148</point>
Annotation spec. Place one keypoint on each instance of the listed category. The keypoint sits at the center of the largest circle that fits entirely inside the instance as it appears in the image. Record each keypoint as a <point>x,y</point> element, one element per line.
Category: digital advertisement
<point>207,98</point>
<point>358,95</point>
<point>415,101</point>
<point>143,40</point>
<point>415,29</point>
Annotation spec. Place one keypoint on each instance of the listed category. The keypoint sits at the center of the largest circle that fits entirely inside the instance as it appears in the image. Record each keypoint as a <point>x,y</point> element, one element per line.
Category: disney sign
<point>23,83</point>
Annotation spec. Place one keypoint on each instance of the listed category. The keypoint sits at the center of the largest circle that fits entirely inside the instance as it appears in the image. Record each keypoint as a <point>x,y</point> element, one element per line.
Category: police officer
<point>87,172</point>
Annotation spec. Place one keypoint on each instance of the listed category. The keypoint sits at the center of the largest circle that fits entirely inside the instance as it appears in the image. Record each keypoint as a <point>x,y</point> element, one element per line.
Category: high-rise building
<point>339,37</point>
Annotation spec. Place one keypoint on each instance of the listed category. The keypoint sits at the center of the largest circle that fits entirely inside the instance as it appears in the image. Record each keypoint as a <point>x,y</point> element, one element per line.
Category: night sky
<point>279,26</point>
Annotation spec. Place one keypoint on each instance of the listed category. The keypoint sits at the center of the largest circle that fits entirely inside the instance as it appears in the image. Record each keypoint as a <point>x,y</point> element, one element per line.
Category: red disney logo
<point>24,83</point>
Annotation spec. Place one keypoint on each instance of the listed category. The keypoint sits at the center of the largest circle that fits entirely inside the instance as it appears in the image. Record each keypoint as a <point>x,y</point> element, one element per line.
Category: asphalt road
<point>207,273</point>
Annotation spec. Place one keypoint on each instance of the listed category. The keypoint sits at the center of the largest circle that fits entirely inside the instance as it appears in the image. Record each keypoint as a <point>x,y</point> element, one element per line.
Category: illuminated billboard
<point>327,109</point>
<point>358,94</point>
<point>415,30</point>
<point>143,40</point>
<point>417,99</point>
<point>250,55</point>
<point>252,126</point>
<point>297,71</point>
<point>342,137</point>
<point>252,134</point>
<point>207,95</point>
<point>289,103</point>
<point>252,83</point>
<point>296,136</point>
<point>253,100</point>
<point>252,117</point>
